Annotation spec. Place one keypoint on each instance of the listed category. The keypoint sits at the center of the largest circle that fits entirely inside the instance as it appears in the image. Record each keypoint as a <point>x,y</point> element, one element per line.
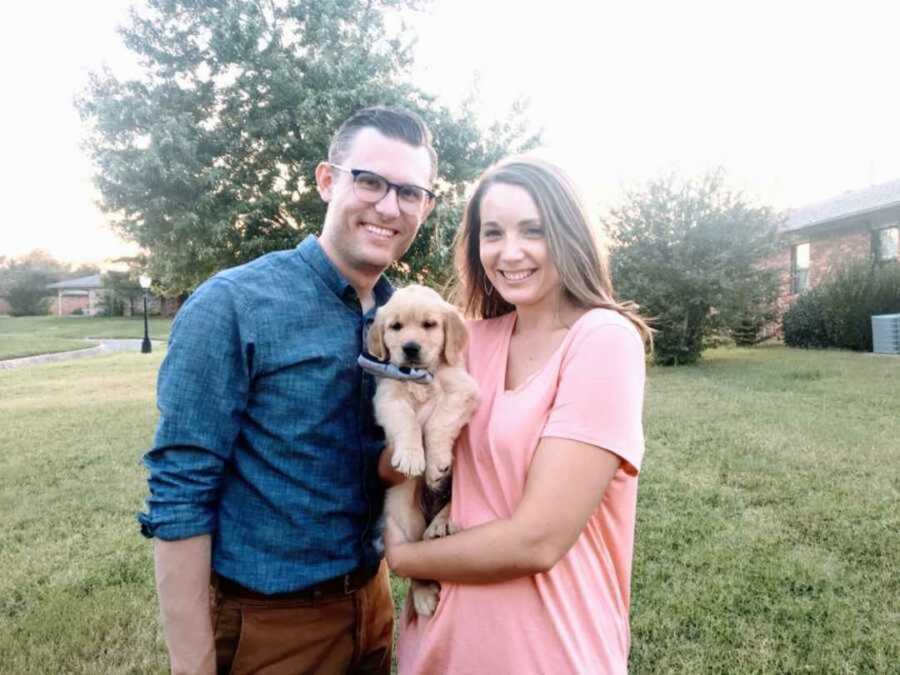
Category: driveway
<point>104,346</point>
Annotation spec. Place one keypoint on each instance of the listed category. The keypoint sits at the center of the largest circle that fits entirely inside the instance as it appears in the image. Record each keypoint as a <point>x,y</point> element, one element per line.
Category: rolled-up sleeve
<point>202,391</point>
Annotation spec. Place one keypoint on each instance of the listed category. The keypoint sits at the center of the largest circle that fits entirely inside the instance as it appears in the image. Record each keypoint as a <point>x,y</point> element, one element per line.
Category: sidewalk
<point>105,346</point>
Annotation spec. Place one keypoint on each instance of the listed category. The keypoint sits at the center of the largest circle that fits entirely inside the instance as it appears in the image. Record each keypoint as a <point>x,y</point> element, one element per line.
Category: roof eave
<point>845,216</point>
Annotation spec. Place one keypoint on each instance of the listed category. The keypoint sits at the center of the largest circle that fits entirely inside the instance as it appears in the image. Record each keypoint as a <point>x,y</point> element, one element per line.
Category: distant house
<point>857,225</point>
<point>83,294</point>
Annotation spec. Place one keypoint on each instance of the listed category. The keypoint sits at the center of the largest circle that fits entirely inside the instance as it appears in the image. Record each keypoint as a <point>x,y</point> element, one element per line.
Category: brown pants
<point>327,635</point>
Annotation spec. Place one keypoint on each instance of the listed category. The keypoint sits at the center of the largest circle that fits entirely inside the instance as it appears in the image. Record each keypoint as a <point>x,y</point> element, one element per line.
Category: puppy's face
<point>418,329</point>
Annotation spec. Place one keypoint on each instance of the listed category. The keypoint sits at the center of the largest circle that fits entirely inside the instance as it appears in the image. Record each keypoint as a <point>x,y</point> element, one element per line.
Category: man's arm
<point>182,583</point>
<point>203,388</point>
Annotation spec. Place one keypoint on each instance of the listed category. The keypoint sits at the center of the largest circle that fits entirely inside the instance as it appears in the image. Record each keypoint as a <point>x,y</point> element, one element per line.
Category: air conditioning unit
<point>886,334</point>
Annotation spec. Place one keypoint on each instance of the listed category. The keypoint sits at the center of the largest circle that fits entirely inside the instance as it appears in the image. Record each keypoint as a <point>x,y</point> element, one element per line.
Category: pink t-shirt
<point>574,618</point>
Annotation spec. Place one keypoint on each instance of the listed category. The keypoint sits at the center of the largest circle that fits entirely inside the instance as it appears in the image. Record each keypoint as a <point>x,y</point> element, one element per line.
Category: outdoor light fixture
<point>146,347</point>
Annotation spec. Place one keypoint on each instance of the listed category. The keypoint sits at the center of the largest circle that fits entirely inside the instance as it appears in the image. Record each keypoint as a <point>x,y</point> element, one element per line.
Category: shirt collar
<point>312,252</point>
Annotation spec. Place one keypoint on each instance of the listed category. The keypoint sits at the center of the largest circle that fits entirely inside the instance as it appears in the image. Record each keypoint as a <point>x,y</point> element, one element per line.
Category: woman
<point>545,480</point>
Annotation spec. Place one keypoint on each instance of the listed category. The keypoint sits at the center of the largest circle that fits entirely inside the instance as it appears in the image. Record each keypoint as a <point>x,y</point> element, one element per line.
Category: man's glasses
<point>371,188</point>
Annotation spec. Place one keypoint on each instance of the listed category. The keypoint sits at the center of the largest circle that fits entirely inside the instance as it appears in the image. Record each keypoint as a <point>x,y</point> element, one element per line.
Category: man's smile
<point>380,232</point>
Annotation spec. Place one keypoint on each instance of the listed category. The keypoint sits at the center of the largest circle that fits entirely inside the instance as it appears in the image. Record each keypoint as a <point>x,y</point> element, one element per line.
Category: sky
<point>798,101</point>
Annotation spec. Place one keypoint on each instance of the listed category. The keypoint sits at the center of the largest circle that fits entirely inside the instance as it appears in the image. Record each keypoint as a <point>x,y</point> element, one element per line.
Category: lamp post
<point>146,347</point>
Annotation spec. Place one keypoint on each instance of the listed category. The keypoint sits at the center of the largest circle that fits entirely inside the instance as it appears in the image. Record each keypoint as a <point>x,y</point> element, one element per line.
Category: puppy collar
<point>380,368</point>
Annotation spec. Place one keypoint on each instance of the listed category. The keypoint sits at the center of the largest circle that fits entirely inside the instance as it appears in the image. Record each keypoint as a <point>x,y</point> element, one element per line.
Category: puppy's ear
<point>455,336</point>
<point>375,338</point>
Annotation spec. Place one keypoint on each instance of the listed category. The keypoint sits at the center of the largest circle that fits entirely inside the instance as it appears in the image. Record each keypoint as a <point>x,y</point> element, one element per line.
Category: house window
<point>799,267</point>
<point>887,244</point>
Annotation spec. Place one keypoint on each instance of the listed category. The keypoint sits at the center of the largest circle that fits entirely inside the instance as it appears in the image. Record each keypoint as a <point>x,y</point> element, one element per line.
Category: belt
<point>345,584</point>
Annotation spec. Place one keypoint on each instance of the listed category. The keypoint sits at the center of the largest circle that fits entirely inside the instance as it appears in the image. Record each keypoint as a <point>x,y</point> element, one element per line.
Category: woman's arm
<point>565,484</point>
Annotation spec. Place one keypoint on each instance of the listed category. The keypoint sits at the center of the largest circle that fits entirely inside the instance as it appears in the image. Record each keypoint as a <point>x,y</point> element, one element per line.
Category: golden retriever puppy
<point>418,329</point>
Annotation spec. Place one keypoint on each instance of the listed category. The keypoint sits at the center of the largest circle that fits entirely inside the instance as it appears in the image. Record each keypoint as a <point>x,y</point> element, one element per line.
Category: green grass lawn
<point>767,537</point>
<point>16,346</point>
<point>84,327</point>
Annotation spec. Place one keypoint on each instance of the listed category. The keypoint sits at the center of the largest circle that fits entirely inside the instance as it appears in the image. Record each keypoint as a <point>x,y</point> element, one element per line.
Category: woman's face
<point>513,248</point>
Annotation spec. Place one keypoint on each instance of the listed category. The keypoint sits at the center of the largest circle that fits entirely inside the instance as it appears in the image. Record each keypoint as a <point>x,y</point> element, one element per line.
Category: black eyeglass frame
<point>354,173</point>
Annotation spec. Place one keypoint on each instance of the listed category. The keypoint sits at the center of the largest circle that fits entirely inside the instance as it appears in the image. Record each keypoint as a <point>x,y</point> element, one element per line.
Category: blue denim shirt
<point>266,437</point>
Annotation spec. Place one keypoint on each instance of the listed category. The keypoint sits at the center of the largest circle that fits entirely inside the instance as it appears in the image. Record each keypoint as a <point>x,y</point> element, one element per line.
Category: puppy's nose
<point>411,350</point>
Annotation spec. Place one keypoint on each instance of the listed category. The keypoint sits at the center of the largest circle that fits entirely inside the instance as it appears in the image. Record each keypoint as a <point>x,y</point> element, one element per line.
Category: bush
<point>28,295</point>
<point>838,312</point>
<point>804,322</point>
<point>688,253</point>
<point>747,330</point>
<point>749,321</point>
<point>110,304</point>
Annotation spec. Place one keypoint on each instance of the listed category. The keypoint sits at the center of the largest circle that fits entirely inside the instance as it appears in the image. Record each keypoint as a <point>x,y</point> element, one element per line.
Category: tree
<point>121,289</point>
<point>691,253</point>
<point>24,280</point>
<point>207,159</point>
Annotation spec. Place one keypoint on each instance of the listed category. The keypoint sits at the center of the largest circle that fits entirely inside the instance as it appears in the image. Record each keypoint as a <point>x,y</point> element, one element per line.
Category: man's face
<point>365,238</point>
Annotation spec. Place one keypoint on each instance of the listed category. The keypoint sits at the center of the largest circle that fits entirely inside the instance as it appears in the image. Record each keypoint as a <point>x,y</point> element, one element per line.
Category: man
<point>264,468</point>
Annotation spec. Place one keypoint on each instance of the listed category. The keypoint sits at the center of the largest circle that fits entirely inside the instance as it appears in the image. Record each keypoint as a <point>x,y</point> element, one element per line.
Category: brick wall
<point>69,304</point>
<point>827,250</point>
<point>830,250</point>
<point>156,306</point>
<point>781,262</point>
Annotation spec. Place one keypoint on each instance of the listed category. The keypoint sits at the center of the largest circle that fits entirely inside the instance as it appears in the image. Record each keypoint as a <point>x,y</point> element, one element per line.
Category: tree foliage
<point>691,253</point>
<point>207,159</point>
<point>24,280</point>
<point>122,289</point>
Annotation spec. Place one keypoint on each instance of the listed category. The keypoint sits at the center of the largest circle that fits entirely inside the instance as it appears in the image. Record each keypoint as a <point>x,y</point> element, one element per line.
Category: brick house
<point>83,293</point>
<point>862,224</point>
<point>88,294</point>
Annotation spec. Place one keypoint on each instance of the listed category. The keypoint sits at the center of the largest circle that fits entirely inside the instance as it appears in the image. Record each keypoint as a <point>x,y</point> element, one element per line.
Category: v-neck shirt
<point>573,618</point>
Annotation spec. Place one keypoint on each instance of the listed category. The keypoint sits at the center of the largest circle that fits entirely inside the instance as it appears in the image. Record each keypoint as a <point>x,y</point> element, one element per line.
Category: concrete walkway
<point>103,347</point>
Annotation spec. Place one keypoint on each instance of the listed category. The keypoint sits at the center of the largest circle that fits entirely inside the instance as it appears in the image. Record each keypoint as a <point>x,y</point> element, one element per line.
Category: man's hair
<point>397,123</point>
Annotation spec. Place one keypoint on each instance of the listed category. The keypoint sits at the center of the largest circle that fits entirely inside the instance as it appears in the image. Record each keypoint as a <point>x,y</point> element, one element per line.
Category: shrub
<point>27,296</point>
<point>752,314</point>
<point>838,312</point>
<point>688,253</point>
<point>804,322</point>
<point>747,330</point>
<point>110,304</point>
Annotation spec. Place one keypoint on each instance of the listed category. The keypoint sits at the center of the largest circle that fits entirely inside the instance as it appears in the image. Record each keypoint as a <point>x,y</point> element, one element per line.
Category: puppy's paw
<point>441,526</point>
<point>437,471</point>
<point>409,461</point>
<point>425,596</point>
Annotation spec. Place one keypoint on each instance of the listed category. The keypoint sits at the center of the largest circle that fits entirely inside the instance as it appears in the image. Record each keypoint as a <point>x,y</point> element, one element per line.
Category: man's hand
<point>182,582</point>
<point>389,476</point>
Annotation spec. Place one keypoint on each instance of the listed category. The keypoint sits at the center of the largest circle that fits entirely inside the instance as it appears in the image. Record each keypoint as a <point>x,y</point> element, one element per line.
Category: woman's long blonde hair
<point>575,247</point>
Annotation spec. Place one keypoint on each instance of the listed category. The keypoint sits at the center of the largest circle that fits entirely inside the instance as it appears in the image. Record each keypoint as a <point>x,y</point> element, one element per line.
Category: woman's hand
<point>394,540</point>
<point>565,484</point>
<point>388,475</point>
